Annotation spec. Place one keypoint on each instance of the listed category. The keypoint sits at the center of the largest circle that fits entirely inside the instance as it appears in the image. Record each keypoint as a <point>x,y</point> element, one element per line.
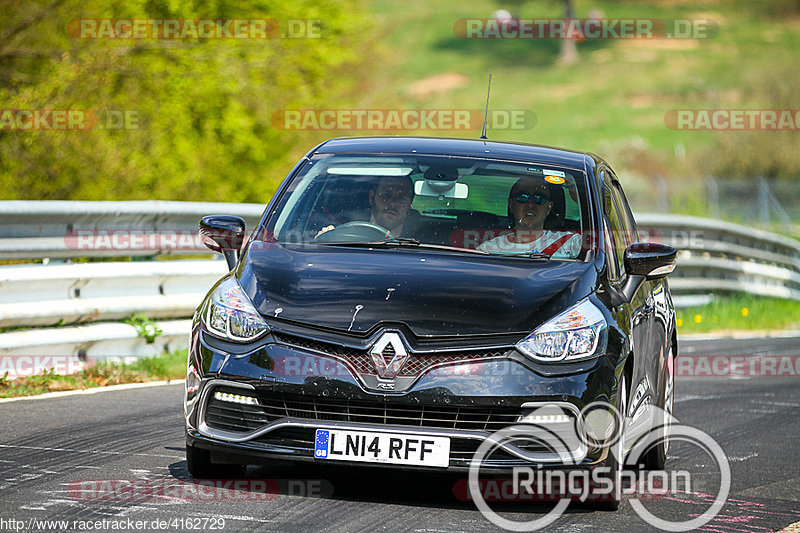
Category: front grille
<point>274,406</point>
<point>317,346</point>
<point>415,364</point>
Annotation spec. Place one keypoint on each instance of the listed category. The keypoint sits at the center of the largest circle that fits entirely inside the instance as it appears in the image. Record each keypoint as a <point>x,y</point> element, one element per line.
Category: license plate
<point>374,447</point>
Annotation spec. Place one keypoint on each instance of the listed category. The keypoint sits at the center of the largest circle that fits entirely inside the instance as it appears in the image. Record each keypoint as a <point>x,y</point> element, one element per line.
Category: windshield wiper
<point>391,241</point>
<point>397,242</point>
<point>400,241</point>
<point>530,255</point>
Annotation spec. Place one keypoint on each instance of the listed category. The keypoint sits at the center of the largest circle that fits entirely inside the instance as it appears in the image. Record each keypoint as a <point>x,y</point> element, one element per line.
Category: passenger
<point>529,204</point>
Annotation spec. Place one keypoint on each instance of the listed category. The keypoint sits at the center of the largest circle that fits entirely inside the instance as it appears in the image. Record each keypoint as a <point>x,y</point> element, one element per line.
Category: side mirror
<point>649,259</point>
<point>223,234</point>
<point>645,261</point>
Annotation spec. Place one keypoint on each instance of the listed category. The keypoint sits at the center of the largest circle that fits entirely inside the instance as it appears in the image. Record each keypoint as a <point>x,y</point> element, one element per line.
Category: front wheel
<point>656,456</point>
<point>198,462</point>
<point>616,456</point>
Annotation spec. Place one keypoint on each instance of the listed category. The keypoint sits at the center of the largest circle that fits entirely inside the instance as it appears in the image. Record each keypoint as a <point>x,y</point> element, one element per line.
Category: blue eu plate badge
<point>321,443</point>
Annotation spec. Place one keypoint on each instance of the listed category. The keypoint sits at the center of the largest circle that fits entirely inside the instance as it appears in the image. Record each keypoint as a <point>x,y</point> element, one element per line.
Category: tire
<point>615,459</point>
<point>656,456</point>
<point>198,462</point>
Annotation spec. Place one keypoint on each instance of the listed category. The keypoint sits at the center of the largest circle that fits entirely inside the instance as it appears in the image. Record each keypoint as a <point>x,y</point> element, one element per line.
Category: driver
<point>390,202</point>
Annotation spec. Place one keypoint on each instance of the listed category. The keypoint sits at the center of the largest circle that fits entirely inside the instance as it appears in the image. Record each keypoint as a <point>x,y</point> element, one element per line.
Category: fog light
<point>235,398</point>
<point>533,418</point>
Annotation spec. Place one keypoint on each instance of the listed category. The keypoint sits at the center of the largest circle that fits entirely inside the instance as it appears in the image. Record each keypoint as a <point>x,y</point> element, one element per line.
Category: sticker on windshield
<point>555,180</point>
<point>557,173</point>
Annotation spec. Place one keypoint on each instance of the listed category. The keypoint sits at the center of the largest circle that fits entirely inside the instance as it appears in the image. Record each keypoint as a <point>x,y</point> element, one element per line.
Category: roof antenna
<point>486,113</point>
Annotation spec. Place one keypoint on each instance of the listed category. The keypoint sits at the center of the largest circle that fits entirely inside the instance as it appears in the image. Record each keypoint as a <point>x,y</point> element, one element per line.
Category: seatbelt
<point>558,243</point>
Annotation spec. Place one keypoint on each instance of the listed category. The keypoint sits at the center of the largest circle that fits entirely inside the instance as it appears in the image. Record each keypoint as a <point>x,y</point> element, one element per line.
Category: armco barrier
<point>66,349</point>
<point>42,295</point>
<point>720,256</point>
<point>61,229</point>
<point>714,256</point>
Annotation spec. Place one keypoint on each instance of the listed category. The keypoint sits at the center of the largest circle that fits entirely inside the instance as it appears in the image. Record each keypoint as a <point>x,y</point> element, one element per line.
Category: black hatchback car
<point>403,298</point>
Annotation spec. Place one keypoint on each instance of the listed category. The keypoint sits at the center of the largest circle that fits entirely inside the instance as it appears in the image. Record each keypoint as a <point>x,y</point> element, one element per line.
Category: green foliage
<point>145,327</point>
<point>770,154</point>
<point>165,366</point>
<point>204,107</point>
<point>613,101</point>
<point>739,312</point>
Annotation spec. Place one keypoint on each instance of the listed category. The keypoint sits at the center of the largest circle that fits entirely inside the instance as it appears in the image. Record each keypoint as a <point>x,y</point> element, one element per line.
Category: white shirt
<point>503,245</point>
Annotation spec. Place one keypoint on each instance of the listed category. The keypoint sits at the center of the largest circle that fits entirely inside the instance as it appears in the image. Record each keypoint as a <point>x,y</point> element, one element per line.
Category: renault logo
<point>388,355</point>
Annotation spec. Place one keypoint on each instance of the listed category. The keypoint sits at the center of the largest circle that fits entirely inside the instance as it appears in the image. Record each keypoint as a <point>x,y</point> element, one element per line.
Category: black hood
<point>434,294</point>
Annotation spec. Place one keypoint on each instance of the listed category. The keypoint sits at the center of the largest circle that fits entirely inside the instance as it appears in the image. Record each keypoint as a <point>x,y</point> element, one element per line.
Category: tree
<point>569,49</point>
<point>203,107</point>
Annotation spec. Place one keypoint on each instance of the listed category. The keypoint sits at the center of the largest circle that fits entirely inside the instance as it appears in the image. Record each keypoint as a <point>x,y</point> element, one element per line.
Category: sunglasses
<point>538,199</point>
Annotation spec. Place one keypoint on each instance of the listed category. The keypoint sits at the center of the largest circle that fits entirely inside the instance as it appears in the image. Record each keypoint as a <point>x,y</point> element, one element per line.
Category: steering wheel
<point>354,231</point>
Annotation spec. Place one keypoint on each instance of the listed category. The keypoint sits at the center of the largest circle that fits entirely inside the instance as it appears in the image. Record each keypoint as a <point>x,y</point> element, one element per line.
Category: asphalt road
<point>55,455</point>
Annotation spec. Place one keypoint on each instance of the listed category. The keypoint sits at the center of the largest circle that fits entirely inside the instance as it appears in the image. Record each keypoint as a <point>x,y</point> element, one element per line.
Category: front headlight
<point>230,315</point>
<point>577,333</point>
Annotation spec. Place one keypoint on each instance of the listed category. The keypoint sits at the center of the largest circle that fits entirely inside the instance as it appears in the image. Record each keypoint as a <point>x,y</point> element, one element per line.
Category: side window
<point>625,215</point>
<point>614,235</point>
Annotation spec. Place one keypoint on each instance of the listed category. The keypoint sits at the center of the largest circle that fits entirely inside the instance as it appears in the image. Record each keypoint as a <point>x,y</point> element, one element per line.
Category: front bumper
<point>466,401</point>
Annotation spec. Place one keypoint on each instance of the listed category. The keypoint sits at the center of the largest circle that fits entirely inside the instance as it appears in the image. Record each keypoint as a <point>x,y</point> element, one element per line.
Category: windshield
<point>456,205</point>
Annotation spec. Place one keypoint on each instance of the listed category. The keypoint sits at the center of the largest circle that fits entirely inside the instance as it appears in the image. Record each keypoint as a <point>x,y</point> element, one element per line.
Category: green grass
<point>614,100</point>
<point>742,312</point>
<point>167,366</point>
<point>170,366</point>
<point>616,90</point>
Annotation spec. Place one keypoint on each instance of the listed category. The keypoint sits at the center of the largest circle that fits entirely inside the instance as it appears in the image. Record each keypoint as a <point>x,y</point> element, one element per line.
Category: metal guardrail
<point>721,256</point>
<point>68,349</point>
<point>714,256</point>
<point>65,229</point>
<point>42,295</point>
